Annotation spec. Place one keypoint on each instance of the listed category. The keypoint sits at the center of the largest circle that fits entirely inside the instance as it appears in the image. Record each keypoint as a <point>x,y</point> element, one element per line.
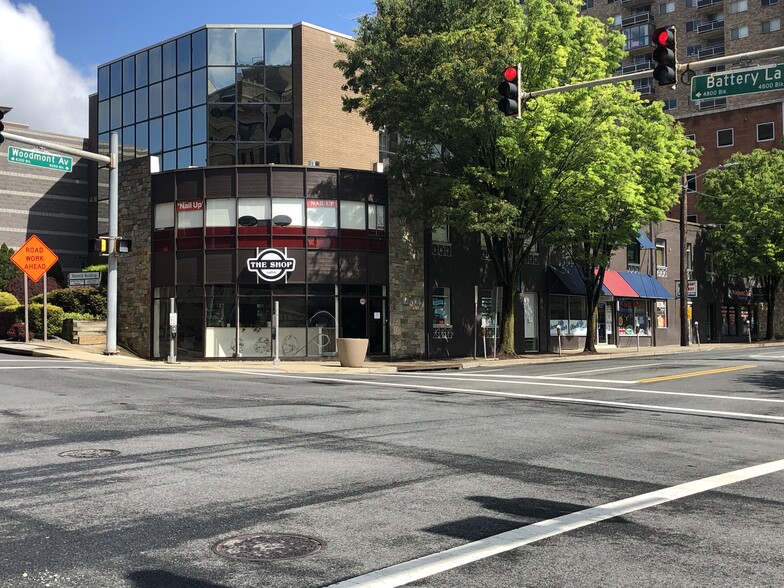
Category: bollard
<point>748,329</point>
<point>637,331</point>
<point>697,332</point>
<point>558,334</point>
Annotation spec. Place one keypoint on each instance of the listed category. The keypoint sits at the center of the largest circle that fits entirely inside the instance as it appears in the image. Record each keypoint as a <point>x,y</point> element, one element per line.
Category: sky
<point>50,49</point>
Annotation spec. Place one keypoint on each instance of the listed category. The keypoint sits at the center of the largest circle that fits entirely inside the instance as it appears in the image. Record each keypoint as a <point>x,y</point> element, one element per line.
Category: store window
<point>221,212</point>
<point>353,215</point>
<point>164,215</point>
<point>441,307</point>
<point>568,313</point>
<point>633,316</point>
<point>322,213</point>
<point>661,314</point>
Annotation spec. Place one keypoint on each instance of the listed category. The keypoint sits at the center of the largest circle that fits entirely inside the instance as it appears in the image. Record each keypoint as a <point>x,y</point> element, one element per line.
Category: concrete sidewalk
<point>95,354</point>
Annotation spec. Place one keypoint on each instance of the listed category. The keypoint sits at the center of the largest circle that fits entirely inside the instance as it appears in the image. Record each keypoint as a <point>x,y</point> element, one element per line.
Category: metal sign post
<point>172,333</point>
<point>276,334</point>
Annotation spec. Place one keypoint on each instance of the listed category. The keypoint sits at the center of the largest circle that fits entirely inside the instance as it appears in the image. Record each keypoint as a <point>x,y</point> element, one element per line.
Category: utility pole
<point>112,162</point>
<point>684,277</point>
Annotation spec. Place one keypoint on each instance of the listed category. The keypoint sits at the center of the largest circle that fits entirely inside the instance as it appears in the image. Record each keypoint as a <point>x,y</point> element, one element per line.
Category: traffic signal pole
<point>112,162</point>
<point>680,69</point>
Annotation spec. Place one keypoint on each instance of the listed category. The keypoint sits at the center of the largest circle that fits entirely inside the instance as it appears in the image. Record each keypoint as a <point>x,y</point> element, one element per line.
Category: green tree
<point>746,199</point>
<point>8,268</point>
<point>518,182</point>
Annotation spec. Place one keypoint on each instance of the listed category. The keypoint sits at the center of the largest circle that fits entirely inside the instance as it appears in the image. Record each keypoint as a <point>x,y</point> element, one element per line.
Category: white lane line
<point>424,567</point>
<point>562,379</point>
<point>608,389</point>
<point>569,374</point>
<point>558,399</point>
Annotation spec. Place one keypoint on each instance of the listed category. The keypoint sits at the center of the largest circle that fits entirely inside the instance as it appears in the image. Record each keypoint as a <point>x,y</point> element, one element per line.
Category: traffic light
<point>664,56</point>
<point>509,90</point>
<point>100,245</point>
<point>2,126</point>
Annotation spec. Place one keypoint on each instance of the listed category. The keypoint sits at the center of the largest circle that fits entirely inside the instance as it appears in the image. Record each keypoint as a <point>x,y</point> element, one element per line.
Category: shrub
<point>16,287</point>
<point>7,299</point>
<point>81,300</point>
<point>54,315</point>
<point>17,332</point>
<point>8,318</point>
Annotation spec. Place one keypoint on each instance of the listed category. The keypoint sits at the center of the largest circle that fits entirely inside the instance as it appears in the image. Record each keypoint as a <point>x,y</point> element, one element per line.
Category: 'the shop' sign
<point>271,264</point>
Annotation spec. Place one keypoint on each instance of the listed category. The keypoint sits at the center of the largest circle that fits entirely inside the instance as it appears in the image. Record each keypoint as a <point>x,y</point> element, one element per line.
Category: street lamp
<point>684,274</point>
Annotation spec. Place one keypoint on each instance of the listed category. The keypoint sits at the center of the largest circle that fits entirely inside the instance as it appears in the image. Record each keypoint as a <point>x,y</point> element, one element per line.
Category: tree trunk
<point>590,338</point>
<point>771,286</point>
<point>508,318</point>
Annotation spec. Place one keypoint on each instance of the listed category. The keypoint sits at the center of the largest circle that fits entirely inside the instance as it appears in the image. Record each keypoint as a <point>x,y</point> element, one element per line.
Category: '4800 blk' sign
<point>271,264</point>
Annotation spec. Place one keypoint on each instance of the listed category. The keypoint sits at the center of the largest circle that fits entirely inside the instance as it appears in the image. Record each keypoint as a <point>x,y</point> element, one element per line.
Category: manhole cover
<point>267,547</point>
<point>90,453</point>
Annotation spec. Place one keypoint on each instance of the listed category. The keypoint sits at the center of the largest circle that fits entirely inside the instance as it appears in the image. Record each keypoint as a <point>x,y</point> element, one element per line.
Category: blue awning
<point>646,286</point>
<point>644,241</point>
<point>570,281</point>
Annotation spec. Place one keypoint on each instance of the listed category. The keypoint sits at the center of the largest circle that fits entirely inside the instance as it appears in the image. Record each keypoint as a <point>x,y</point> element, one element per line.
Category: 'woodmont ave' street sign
<point>40,159</point>
<point>734,82</point>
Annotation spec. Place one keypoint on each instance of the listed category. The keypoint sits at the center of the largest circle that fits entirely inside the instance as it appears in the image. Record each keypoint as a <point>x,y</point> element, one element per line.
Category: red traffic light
<point>510,74</point>
<point>663,37</point>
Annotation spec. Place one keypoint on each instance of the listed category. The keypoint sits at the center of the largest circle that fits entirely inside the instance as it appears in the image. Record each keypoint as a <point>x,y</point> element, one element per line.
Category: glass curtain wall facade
<point>214,96</point>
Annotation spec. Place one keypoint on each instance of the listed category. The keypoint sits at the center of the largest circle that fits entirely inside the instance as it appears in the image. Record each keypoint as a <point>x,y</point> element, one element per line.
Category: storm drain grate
<point>90,453</point>
<point>267,547</point>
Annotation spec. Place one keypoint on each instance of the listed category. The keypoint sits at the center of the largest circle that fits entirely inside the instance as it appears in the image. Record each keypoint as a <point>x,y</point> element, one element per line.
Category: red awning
<point>618,286</point>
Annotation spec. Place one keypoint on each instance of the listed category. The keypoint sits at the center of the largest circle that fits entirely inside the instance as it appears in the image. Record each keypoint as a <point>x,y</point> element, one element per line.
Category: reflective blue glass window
<point>156,135</point>
<point>103,143</point>
<point>250,46</point>
<point>103,116</point>
<point>103,83</point>
<point>169,95</point>
<point>221,154</point>
<point>221,122</point>
<point>250,153</point>
<point>199,49</point>
<point>141,105</point>
<point>156,71</point>
<point>156,100</point>
<point>183,54</point>
<point>169,132</point>
<point>128,142</point>
<point>169,59</point>
<point>115,113</point>
<point>169,161</point>
<point>279,84</point>
<point>184,158</point>
<point>116,78</point>
<point>280,122</point>
<point>199,124</point>
<point>184,91</point>
<point>199,156</point>
<point>142,142</point>
<point>199,86</point>
<point>128,101</point>
<point>129,74</point>
<point>184,128</point>
<point>279,153</point>
<point>277,46</point>
<point>221,82</point>
<point>141,69</point>
<point>220,46</point>
<point>251,84</point>
<point>250,122</point>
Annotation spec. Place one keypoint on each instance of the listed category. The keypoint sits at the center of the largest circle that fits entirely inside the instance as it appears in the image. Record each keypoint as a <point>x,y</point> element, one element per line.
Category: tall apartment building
<point>706,29</point>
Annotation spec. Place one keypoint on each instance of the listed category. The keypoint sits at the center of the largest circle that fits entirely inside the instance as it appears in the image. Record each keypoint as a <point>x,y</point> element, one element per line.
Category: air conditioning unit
<point>313,163</point>
<point>378,167</point>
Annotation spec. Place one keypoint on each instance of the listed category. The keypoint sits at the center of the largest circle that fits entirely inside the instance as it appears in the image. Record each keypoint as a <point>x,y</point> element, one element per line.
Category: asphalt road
<point>634,471</point>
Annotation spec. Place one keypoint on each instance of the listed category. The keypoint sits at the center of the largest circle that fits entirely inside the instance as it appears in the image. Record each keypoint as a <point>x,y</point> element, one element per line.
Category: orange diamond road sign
<point>34,258</point>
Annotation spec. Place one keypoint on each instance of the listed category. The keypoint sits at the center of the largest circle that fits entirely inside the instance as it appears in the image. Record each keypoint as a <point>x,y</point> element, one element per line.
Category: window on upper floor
<point>587,4</point>
<point>691,182</point>
<point>725,138</point>
<point>441,235</point>
<point>441,307</point>
<point>670,104</point>
<point>765,131</point>
<point>771,26</point>
<point>738,6</point>
<point>661,253</point>
<point>693,25</point>
<point>633,253</point>
<point>769,2</point>
<point>739,33</point>
<point>690,3</point>
<point>693,50</point>
<point>638,36</point>
<point>667,7</point>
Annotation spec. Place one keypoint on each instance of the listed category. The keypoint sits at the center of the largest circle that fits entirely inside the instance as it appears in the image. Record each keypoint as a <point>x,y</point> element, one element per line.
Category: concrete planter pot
<point>352,352</point>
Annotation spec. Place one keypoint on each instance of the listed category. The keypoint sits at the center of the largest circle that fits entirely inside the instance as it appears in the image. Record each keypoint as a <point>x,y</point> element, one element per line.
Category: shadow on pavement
<point>164,579</point>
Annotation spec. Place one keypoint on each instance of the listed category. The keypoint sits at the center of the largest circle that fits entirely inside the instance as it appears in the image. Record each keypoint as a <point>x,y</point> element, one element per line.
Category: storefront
<point>231,245</point>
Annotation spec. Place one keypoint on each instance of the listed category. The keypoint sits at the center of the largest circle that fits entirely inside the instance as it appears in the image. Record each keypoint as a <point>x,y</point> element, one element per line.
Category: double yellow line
<point>694,374</point>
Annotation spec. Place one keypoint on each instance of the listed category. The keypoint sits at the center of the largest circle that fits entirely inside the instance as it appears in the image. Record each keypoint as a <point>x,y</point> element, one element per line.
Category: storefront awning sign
<point>271,265</point>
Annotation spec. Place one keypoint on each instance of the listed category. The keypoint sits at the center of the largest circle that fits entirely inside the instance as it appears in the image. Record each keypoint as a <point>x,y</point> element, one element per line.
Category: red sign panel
<point>34,258</point>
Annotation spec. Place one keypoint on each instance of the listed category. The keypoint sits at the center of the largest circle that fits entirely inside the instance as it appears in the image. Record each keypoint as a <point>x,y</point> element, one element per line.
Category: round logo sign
<point>271,265</point>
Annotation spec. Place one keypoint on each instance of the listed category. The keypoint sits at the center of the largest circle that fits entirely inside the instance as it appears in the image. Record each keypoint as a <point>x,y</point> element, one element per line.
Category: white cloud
<point>46,92</point>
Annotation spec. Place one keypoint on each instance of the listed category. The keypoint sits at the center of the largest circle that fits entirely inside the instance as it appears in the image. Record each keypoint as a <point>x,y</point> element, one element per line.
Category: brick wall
<point>328,134</point>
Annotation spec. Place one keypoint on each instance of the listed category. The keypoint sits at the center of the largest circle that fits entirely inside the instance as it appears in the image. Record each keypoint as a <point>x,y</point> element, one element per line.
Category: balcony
<point>708,3</point>
<point>441,249</point>
<point>633,3</point>
<point>712,103</point>
<point>716,51</point>
<point>638,45</point>
<point>709,27</point>
<point>637,19</point>
<point>644,87</point>
<point>635,67</point>
<point>632,268</point>
<point>661,272</point>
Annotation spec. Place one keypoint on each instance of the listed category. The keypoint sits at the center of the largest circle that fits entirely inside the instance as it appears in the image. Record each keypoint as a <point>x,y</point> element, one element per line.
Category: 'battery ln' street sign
<point>40,159</point>
<point>742,81</point>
